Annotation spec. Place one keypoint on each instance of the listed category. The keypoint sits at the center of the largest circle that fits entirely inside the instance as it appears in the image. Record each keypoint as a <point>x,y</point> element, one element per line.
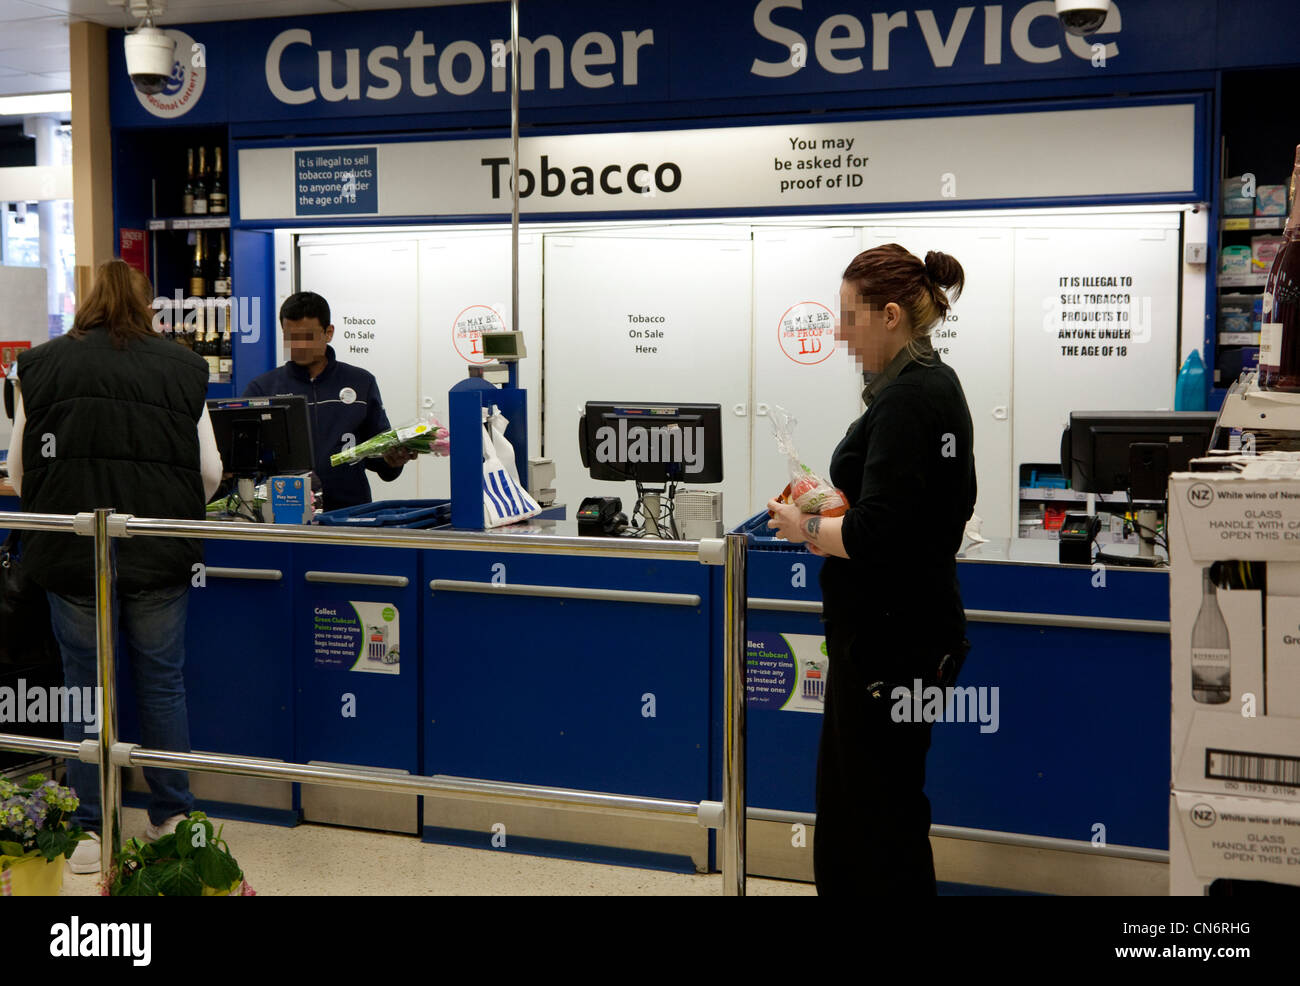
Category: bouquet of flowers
<point>33,820</point>
<point>422,436</point>
<point>806,490</point>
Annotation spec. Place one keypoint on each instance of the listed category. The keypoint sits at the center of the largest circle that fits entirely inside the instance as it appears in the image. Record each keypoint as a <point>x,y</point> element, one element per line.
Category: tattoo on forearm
<point>812,526</point>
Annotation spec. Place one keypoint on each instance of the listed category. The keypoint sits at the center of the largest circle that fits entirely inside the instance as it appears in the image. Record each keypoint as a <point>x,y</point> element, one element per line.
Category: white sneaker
<point>85,858</point>
<point>153,833</point>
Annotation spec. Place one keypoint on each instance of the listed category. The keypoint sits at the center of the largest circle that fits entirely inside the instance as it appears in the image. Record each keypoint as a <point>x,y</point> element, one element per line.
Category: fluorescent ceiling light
<point>45,102</point>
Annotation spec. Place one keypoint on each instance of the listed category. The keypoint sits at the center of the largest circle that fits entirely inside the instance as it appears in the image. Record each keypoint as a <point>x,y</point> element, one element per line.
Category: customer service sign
<point>1008,156</point>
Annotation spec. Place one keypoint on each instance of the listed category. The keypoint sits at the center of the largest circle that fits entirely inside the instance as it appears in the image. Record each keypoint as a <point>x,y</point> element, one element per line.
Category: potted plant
<point>194,861</point>
<point>34,834</point>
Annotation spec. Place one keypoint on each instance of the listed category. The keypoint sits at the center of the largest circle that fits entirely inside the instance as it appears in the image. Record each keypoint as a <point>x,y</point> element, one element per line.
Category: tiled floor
<point>319,860</point>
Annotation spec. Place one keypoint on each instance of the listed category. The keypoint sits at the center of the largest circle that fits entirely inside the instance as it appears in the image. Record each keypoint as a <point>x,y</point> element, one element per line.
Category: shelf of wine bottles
<point>204,193</point>
<point>203,321</point>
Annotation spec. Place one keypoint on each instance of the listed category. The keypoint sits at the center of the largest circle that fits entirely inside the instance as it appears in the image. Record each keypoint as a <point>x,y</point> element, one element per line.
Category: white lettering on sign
<point>839,37</point>
<point>460,67</point>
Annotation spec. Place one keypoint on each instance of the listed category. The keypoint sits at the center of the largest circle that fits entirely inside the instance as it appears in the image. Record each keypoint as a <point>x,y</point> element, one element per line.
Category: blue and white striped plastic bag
<point>505,501</point>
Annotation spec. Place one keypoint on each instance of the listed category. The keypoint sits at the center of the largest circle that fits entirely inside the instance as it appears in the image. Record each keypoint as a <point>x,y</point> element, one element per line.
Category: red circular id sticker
<point>807,332</point>
<point>467,330</point>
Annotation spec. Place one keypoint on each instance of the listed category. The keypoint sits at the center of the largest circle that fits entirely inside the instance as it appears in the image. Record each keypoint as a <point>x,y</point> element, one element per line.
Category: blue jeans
<point>154,624</point>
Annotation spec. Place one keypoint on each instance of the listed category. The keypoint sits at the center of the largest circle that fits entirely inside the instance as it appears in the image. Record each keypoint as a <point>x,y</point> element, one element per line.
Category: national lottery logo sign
<point>189,75</point>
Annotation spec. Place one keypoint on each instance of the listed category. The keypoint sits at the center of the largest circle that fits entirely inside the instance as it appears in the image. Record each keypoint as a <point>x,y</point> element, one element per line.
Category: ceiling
<point>34,33</point>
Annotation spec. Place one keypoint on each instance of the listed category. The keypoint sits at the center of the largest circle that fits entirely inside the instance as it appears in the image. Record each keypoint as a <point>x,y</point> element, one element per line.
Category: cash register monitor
<point>652,443</point>
<point>262,436</point>
<point>1134,451</point>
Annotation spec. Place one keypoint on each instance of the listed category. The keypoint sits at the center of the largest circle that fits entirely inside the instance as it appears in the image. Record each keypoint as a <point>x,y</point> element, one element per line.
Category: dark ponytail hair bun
<point>945,272</point>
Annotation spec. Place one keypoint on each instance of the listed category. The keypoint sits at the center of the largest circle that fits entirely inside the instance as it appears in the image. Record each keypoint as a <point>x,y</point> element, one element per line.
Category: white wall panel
<point>1067,353</point>
<point>701,289</point>
<point>976,342</point>
<point>796,290</point>
<point>465,277</point>
<point>373,281</point>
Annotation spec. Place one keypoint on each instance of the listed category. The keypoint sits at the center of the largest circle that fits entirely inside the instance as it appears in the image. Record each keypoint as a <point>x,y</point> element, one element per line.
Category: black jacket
<point>343,400</point>
<point>907,467</point>
<point>111,428</point>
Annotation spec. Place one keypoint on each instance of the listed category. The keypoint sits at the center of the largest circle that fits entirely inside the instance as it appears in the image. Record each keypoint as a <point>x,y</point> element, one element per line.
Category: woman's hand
<point>788,521</point>
<point>821,535</point>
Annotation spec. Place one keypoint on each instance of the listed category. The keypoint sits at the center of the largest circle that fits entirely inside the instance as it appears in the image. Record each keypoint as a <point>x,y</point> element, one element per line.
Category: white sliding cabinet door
<point>372,292</point>
<point>798,364</point>
<point>1096,328</point>
<point>698,294</point>
<point>976,342</point>
<point>465,288</point>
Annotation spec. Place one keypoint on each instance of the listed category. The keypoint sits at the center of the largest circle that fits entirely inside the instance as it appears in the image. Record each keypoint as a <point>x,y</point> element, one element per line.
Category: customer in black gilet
<point>113,415</point>
<point>891,603</point>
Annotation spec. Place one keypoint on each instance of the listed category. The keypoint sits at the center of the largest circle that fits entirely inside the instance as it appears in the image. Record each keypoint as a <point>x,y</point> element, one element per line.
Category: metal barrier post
<point>733,751</point>
<point>110,794</point>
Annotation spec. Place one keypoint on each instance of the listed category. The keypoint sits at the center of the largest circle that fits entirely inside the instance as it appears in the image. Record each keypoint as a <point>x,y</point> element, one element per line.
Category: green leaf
<point>177,878</point>
<point>184,845</point>
<point>11,849</point>
<point>147,883</point>
<point>215,868</point>
<point>164,848</point>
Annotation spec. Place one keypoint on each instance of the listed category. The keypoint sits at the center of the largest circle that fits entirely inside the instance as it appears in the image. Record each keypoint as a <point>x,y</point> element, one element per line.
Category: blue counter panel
<point>1127,593</point>
<point>1083,715</point>
<point>238,678</point>
<point>1082,737</point>
<point>357,709</point>
<point>558,691</point>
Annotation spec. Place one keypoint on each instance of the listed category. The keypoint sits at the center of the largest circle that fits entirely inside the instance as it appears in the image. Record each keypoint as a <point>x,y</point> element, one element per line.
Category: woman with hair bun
<point>891,604</point>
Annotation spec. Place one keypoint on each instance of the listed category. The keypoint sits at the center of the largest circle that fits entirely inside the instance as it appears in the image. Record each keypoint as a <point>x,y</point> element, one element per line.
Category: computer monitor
<point>1134,451</point>
<point>262,436</point>
<point>652,443</point>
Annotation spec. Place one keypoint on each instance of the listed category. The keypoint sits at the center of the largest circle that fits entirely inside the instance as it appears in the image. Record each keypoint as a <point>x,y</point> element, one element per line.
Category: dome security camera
<point>150,55</point>
<point>1082,16</point>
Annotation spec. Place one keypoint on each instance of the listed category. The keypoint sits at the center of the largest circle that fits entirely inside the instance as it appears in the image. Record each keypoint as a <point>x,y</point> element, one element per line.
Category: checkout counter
<point>606,675</point>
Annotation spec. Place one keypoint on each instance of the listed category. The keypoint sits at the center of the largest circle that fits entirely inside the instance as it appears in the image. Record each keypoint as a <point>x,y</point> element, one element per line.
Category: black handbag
<point>26,637</point>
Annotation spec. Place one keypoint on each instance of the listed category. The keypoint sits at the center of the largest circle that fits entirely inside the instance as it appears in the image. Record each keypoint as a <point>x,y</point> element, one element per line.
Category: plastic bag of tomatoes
<point>806,490</point>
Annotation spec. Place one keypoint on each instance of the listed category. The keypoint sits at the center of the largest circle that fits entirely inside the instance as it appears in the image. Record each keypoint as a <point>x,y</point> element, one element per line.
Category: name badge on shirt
<point>347,395</point>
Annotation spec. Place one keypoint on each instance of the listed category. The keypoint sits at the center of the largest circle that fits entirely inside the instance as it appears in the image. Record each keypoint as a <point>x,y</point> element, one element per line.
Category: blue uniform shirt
<point>344,400</point>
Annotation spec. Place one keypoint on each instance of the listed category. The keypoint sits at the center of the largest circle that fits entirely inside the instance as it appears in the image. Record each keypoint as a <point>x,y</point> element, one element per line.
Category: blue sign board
<point>340,181</point>
<point>589,53</point>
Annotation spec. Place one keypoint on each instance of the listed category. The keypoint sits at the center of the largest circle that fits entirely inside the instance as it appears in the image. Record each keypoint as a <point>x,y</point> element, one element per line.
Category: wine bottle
<point>217,202</point>
<point>201,187</point>
<point>221,276</point>
<point>198,283</point>
<point>225,352</point>
<point>1279,336</point>
<point>210,348</point>
<point>188,197</point>
<point>1211,652</point>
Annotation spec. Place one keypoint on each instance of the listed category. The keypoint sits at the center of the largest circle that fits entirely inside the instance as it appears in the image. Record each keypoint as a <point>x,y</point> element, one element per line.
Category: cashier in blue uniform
<point>343,403</point>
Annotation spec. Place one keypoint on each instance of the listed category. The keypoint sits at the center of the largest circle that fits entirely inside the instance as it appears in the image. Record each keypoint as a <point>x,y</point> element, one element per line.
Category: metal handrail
<point>111,755</point>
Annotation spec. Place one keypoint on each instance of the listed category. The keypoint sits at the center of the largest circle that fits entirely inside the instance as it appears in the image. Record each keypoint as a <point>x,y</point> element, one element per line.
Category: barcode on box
<point>1261,767</point>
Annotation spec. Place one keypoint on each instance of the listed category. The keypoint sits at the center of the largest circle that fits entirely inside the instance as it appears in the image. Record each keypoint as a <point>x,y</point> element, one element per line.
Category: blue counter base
<point>557,849</point>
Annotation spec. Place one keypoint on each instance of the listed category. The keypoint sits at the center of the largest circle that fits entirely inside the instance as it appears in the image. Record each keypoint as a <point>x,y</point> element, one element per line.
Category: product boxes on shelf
<point>1235,203</point>
<point>1262,251</point>
<point>1234,260</point>
<point>1270,200</point>
<point>1234,541</point>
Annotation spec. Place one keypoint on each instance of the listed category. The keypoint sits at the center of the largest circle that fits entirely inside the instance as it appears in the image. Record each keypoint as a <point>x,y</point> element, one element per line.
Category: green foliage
<point>183,864</point>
